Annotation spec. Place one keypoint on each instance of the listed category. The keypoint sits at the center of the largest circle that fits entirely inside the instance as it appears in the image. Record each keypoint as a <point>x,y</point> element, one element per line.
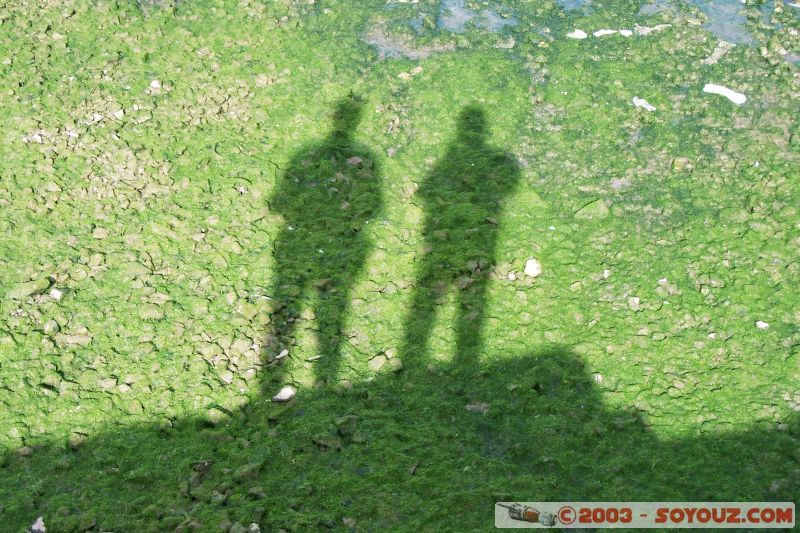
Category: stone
<point>346,425</point>
<point>377,362</point>
<point>286,393</point>
<point>30,288</point>
<point>533,268</point>
<point>642,103</point>
<point>601,33</point>
<point>577,34</point>
<point>76,440</point>
<point>395,365</point>
<point>478,407</point>
<point>51,327</point>
<point>38,526</point>
<point>593,210</point>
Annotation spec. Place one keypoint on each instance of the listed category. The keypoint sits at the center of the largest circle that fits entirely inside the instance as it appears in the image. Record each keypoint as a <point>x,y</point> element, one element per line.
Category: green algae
<point>631,368</point>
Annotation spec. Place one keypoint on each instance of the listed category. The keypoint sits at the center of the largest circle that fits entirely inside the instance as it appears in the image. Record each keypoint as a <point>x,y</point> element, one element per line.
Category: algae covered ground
<point>495,252</point>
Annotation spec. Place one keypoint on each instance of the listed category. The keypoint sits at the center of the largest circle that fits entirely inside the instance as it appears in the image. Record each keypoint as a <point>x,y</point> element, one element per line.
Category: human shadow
<point>462,200</point>
<point>327,195</point>
<point>393,454</point>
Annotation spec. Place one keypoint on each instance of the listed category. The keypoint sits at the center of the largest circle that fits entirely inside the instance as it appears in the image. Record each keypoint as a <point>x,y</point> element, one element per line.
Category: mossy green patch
<point>203,202</point>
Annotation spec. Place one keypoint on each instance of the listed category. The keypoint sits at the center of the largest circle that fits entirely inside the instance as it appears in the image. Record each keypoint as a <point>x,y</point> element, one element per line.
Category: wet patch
<point>726,19</point>
<point>391,45</point>
<point>454,16</point>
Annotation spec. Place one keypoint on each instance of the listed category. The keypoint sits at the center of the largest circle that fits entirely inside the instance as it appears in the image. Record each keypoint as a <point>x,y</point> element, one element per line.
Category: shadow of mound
<point>402,452</point>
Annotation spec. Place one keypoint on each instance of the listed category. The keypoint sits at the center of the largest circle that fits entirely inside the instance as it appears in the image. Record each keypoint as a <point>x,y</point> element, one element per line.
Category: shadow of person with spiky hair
<point>327,195</point>
<point>462,199</point>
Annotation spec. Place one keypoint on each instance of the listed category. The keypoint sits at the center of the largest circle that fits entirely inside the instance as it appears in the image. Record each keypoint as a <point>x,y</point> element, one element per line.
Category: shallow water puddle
<point>454,16</point>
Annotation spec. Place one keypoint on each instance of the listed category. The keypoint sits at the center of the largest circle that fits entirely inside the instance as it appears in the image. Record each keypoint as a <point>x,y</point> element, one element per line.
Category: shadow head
<point>347,114</point>
<point>473,125</point>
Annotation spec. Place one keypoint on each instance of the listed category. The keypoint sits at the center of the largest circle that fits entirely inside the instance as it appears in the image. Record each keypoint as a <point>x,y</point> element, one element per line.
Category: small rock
<point>56,294</point>
<point>395,365</point>
<point>595,209</point>
<point>100,233</point>
<point>25,451</point>
<point>644,104</point>
<point>247,471</point>
<point>285,394</point>
<point>721,49</point>
<point>77,339</point>
<point>219,498</point>
<point>481,408</point>
<point>533,268</point>
<point>38,526</point>
<point>601,33</point>
<point>377,362</point>
<point>634,303</point>
<point>647,30</point>
<point>346,425</point>
<point>577,34</point>
<point>404,76</point>
<point>355,160</point>
<point>257,493</point>
<point>327,442</point>
<point>76,440</point>
<point>762,325</point>
<point>625,33</point>
<point>30,288</point>
<point>51,327</point>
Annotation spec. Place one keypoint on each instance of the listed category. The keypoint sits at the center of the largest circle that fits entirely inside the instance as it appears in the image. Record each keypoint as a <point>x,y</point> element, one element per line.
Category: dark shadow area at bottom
<point>427,449</point>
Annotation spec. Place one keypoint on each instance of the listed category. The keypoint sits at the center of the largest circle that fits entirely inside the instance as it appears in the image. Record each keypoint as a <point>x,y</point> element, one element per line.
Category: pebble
<point>733,96</point>
<point>533,268</point>
<point>600,33</point>
<point>762,325</point>
<point>23,290</point>
<point>721,49</point>
<point>377,362</point>
<point>285,394</point>
<point>647,30</point>
<point>481,408</point>
<point>38,526</point>
<point>51,327</point>
<point>577,34</point>
<point>644,104</point>
<point>56,294</point>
